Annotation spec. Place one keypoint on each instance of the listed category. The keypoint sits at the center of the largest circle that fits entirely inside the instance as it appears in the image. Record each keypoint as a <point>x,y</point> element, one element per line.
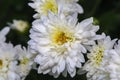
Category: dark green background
<point>106,12</point>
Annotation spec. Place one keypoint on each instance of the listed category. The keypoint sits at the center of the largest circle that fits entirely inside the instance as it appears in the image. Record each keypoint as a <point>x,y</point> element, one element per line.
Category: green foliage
<point>105,12</point>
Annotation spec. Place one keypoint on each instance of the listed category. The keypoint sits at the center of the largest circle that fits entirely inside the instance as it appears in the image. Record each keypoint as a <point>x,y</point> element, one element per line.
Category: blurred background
<point>105,12</point>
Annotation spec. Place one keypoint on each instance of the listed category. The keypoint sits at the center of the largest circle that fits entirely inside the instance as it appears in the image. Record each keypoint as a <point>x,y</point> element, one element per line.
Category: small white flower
<point>60,42</point>
<point>8,62</point>
<point>114,62</point>
<point>98,59</point>
<point>68,7</point>
<point>9,57</point>
<point>19,25</point>
<point>25,61</point>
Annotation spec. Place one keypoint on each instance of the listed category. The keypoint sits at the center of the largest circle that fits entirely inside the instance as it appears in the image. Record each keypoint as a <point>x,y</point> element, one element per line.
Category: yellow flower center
<point>24,61</point>
<point>1,63</point>
<point>60,36</point>
<point>98,55</point>
<point>49,5</point>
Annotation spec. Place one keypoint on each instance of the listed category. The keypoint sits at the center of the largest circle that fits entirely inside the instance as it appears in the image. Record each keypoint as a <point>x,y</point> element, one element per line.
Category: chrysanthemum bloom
<point>25,61</point>
<point>19,25</point>
<point>114,62</point>
<point>60,42</point>
<point>7,58</point>
<point>68,7</point>
<point>98,59</point>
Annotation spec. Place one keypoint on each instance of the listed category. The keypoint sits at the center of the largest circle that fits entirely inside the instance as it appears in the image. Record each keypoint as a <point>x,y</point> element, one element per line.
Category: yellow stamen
<point>24,61</point>
<point>49,5</point>
<point>60,36</point>
<point>98,55</point>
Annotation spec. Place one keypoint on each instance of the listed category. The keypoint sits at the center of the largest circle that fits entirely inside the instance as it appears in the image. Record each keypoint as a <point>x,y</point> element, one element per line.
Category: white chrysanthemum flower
<point>10,69</point>
<point>19,25</point>
<point>25,61</point>
<point>42,7</point>
<point>8,62</point>
<point>7,58</point>
<point>60,42</point>
<point>114,62</point>
<point>98,59</point>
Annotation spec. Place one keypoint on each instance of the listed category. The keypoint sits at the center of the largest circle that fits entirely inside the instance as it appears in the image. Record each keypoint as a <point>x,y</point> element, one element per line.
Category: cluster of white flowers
<point>58,45</point>
<point>60,42</point>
